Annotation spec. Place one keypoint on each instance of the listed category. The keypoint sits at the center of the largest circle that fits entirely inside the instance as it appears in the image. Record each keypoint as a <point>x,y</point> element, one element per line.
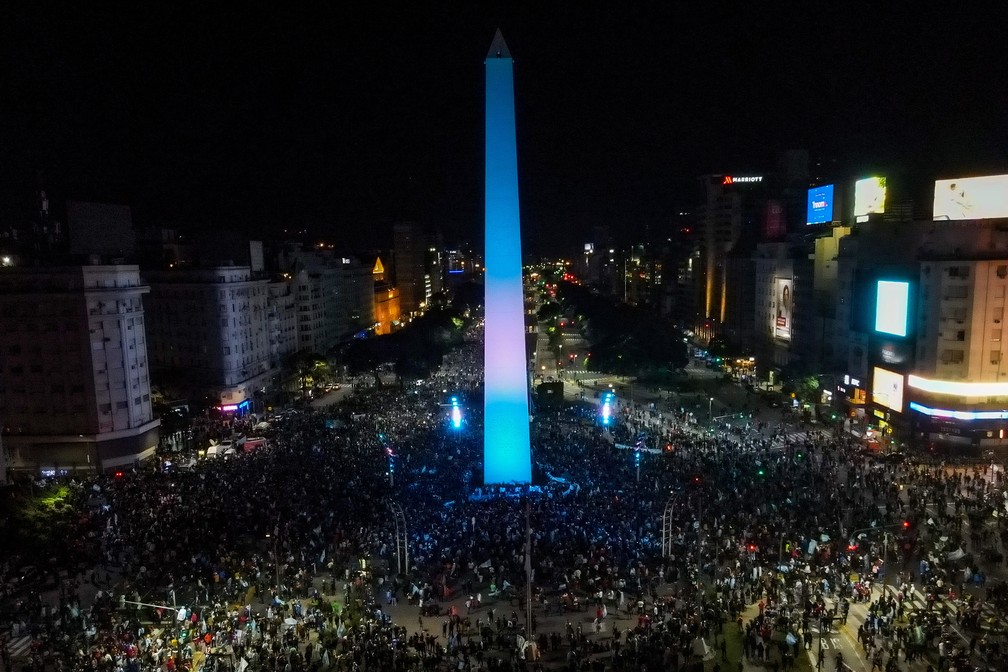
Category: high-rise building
<point>334,296</point>
<point>410,248</point>
<point>74,382</point>
<point>209,333</point>
<point>506,449</point>
<point>281,321</point>
<point>386,302</point>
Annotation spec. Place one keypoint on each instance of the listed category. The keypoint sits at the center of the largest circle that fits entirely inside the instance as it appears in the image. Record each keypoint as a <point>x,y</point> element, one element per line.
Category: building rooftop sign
<point>741,179</point>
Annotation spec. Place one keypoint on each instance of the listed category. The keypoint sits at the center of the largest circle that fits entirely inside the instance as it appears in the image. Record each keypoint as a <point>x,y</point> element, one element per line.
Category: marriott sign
<point>742,179</point>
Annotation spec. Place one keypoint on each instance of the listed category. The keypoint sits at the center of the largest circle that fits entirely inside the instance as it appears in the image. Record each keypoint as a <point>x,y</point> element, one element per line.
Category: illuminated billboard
<point>892,307</point>
<point>971,198</point>
<point>869,196</point>
<point>820,205</point>
<point>774,224</point>
<point>887,389</point>
<point>783,302</point>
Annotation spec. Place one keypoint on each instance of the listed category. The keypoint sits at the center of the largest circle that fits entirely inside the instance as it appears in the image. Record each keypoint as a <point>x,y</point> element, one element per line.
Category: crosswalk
<point>20,648</point>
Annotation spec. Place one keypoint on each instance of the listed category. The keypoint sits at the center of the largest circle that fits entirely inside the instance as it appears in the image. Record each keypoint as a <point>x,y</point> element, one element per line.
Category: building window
<point>952,356</point>
<point>995,357</point>
<point>995,334</point>
<point>1002,271</point>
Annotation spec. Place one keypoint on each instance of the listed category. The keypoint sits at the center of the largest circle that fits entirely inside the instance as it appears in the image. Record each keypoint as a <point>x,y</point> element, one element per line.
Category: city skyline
<point>346,122</point>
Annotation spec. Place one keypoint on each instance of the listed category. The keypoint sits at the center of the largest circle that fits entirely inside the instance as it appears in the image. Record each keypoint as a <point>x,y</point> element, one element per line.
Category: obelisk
<point>506,453</point>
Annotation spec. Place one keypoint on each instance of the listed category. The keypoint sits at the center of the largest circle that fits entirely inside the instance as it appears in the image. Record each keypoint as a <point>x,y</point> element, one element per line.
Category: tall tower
<point>506,453</point>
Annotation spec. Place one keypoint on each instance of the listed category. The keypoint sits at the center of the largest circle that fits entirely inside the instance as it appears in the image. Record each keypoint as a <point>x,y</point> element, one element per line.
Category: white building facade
<point>75,389</point>
<point>210,325</point>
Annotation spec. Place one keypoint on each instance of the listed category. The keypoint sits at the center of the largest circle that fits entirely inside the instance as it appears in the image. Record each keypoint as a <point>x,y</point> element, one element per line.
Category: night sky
<point>343,121</point>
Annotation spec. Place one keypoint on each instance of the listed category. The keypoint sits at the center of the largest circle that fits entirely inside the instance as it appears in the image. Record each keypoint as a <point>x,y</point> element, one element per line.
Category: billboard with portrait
<point>869,196</point>
<point>783,308</point>
<point>820,205</point>
<point>887,389</point>
<point>971,198</point>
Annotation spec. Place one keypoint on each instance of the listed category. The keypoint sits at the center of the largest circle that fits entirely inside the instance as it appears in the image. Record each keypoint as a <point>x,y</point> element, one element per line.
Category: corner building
<point>74,380</point>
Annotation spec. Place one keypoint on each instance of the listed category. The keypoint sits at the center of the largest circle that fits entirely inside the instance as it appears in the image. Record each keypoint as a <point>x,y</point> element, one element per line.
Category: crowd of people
<point>287,558</point>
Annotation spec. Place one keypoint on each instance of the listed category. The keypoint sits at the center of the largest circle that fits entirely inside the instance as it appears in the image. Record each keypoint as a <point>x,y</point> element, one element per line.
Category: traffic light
<point>906,524</point>
<point>752,548</point>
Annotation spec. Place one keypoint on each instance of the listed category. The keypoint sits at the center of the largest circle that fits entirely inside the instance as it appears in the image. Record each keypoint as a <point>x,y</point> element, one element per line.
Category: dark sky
<point>345,120</point>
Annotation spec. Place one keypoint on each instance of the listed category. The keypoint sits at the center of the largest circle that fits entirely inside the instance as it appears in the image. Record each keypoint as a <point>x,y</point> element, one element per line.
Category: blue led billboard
<point>892,307</point>
<point>820,205</point>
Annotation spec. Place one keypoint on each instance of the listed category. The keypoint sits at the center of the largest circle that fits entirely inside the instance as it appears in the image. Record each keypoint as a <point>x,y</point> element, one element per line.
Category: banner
<point>783,308</point>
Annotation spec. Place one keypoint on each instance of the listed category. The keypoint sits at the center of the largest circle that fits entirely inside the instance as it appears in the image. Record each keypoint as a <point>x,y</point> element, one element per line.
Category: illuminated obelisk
<point>506,454</point>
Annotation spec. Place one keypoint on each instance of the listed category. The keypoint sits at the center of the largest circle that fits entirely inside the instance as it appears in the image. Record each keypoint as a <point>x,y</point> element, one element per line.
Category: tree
<point>309,367</point>
<point>549,311</point>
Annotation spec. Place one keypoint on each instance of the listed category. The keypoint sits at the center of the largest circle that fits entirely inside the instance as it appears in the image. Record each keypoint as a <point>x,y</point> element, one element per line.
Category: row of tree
<point>625,339</point>
<point>413,352</point>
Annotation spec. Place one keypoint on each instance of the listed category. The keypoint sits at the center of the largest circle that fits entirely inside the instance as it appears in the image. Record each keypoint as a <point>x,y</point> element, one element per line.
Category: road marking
<point>19,646</point>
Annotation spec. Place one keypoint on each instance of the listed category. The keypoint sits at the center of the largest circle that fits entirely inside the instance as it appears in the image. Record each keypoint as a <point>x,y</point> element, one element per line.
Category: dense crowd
<point>286,558</point>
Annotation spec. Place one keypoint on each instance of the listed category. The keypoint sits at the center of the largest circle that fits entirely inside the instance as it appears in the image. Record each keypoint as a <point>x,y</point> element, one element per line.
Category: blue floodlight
<point>456,414</point>
<point>607,408</point>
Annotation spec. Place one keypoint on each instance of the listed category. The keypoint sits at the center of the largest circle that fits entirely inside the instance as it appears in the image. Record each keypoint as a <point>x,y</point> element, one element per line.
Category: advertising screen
<point>820,205</point>
<point>971,198</point>
<point>773,220</point>
<point>891,307</point>
<point>887,389</point>
<point>783,301</point>
<point>869,196</point>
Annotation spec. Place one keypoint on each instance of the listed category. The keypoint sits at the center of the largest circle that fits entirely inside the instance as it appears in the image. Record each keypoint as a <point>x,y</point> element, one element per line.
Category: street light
<point>710,410</point>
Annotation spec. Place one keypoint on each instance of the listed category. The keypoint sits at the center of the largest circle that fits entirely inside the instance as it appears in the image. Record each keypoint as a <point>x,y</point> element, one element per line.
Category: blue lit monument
<point>506,454</point>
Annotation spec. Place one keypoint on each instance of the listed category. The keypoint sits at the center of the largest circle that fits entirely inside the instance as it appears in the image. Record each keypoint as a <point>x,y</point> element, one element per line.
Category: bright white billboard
<point>971,198</point>
<point>892,307</point>
<point>869,196</point>
<point>783,304</point>
<point>887,389</point>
